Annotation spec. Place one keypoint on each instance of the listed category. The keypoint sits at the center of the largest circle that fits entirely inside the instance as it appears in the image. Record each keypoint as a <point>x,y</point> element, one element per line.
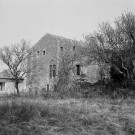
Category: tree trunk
<point>17,88</point>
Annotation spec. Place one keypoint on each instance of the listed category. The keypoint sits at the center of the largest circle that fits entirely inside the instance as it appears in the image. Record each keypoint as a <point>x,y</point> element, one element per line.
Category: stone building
<point>7,85</point>
<point>45,62</point>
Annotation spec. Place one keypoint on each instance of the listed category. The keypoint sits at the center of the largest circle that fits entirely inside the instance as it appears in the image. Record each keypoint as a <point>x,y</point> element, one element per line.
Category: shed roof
<point>4,79</point>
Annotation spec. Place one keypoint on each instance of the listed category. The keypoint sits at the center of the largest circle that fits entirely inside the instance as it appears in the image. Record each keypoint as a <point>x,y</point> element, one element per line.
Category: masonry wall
<point>54,47</point>
<point>10,87</point>
<point>39,76</point>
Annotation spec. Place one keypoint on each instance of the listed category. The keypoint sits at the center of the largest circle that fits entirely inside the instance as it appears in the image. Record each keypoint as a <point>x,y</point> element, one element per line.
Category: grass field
<point>25,116</point>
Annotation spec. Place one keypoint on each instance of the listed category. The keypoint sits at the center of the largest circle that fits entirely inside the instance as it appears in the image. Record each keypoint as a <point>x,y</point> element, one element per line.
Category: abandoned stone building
<point>45,62</point>
<point>7,85</point>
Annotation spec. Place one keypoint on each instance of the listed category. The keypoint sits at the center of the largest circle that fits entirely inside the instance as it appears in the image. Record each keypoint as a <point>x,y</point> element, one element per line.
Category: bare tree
<point>15,57</point>
<point>66,69</point>
<point>115,45</point>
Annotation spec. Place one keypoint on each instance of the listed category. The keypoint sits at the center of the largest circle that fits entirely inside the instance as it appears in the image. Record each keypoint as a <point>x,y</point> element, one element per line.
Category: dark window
<point>54,66</point>
<point>78,69</point>
<point>54,70</point>
<point>61,48</point>
<point>54,73</point>
<point>47,87</point>
<point>38,52</point>
<point>43,52</point>
<point>73,48</point>
<point>51,71</point>
<point>2,86</point>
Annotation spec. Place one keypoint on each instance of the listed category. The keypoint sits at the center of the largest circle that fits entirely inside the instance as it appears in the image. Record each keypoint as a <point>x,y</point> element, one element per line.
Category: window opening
<point>73,48</point>
<point>61,48</point>
<point>52,71</point>
<point>47,87</point>
<point>2,86</point>
<point>43,52</point>
<point>78,69</point>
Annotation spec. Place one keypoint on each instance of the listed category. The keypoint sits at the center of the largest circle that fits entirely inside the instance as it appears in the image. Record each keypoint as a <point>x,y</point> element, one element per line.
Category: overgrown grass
<point>25,116</point>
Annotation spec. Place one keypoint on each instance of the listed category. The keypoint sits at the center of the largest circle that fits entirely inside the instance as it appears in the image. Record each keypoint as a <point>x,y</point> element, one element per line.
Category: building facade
<point>7,85</point>
<point>45,62</point>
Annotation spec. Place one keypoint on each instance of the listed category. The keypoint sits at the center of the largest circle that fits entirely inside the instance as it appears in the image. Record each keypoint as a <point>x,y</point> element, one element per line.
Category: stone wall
<point>39,76</point>
<point>49,51</point>
<point>52,45</point>
<point>9,87</point>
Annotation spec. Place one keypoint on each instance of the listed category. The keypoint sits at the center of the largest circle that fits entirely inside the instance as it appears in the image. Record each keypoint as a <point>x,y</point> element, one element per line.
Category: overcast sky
<point>31,19</point>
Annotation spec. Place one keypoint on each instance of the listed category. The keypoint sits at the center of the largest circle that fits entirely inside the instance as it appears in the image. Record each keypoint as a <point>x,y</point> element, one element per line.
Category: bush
<point>15,112</point>
<point>50,95</point>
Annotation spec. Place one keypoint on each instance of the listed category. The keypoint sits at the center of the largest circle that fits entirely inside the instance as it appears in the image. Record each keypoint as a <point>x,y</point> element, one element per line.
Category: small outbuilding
<point>7,85</point>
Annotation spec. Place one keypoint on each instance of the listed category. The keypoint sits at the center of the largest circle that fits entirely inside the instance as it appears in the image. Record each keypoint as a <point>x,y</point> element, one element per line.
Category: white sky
<point>31,19</point>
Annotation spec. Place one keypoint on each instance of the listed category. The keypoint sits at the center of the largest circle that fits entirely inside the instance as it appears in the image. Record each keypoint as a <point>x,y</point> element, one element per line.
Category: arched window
<point>52,71</point>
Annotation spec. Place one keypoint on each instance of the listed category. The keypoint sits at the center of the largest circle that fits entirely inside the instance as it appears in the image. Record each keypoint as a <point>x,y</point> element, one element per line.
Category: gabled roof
<point>60,38</point>
<point>5,74</point>
<point>6,77</point>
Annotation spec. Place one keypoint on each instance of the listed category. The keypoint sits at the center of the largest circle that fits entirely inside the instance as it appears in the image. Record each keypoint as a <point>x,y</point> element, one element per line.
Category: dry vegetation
<point>25,116</point>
